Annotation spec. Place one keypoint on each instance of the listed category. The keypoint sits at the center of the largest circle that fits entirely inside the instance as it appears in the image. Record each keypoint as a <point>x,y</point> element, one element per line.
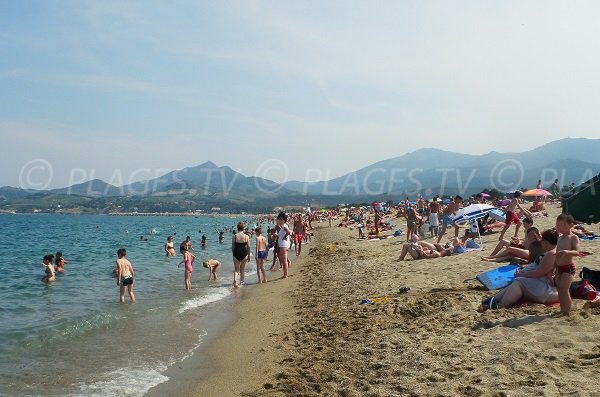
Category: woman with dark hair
<point>283,242</point>
<point>240,248</point>
<point>534,281</point>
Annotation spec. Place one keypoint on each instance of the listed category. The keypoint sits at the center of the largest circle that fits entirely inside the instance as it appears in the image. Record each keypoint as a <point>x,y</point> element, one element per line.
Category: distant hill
<point>428,171</point>
<point>10,193</point>
<point>93,188</point>
<point>207,179</point>
<point>425,171</point>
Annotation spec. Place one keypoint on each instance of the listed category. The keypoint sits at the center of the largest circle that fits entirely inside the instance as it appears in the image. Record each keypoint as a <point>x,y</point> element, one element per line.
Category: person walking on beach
<point>434,221</point>
<point>212,265</point>
<point>124,276</point>
<point>283,242</point>
<point>299,231</point>
<point>448,217</point>
<point>273,243</point>
<point>240,248</point>
<point>169,247</point>
<point>511,216</point>
<point>188,261</point>
<point>260,255</point>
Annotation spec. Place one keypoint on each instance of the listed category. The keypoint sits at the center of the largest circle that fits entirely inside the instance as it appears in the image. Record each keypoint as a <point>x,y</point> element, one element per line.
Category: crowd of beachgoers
<point>547,257</point>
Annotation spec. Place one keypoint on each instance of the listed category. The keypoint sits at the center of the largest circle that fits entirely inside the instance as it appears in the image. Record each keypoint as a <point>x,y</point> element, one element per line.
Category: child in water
<point>60,261</point>
<point>212,265</point>
<point>260,255</point>
<point>124,276</point>
<point>203,242</point>
<point>188,260</point>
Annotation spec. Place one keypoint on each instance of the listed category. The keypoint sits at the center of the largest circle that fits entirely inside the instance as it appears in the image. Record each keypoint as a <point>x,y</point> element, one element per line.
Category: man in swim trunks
<point>511,216</point>
<point>448,217</point>
<point>124,276</point>
<point>298,231</point>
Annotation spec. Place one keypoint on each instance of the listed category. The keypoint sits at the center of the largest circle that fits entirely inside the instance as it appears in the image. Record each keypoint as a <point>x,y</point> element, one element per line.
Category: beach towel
<point>589,238</point>
<point>498,277</point>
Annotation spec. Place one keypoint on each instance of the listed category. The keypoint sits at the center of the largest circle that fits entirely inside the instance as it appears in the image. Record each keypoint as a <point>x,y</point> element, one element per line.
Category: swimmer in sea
<point>47,263</point>
<point>124,276</point>
<point>203,242</point>
<point>212,265</point>
<point>170,247</point>
<point>59,261</point>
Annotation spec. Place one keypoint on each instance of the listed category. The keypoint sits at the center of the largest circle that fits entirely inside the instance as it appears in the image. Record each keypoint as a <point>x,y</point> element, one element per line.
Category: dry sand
<point>310,336</point>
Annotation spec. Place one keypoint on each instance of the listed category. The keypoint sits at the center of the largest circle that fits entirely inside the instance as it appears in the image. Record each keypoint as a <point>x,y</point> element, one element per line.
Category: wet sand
<point>310,336</point>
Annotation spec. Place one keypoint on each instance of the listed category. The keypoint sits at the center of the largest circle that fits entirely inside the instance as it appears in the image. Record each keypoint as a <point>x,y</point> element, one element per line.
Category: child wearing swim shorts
<point>260,255</point>
<point>124,276</point>
<point>511,216</point>
<point>566,249</point>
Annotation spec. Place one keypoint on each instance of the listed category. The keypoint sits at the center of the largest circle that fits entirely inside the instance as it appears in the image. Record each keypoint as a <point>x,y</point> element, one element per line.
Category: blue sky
<point>125,91</point>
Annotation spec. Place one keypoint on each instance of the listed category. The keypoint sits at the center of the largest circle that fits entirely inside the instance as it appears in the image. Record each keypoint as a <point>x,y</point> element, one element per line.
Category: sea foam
<point>213,295</point>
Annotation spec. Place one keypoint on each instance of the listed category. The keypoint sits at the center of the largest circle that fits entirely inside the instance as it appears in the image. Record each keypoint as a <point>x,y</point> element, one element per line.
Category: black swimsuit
<point>240,251</point>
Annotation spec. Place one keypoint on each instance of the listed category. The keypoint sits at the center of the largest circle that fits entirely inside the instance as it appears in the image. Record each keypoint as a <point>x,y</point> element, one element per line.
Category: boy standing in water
<point>566,249</point>
<point>124,276</point>
<point>260,255</point>
<point>511,217</point>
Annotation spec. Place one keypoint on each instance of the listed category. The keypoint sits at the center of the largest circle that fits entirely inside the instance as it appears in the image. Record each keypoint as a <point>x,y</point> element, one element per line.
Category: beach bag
<point>459,249</point>
<point>583,290</point>
<point>591,276</point>
<point>472,244</point>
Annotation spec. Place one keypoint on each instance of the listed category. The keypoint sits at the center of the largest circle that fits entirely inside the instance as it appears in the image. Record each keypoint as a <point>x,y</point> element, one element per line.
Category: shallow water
<point>72,337</point>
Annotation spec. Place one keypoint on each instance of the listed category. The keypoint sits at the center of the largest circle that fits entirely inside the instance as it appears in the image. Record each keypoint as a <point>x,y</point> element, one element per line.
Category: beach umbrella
<point>537,193</point>
<point>446,201</point>
<point>473,211</point>
<point>485,195</point>
<point>505,202</point>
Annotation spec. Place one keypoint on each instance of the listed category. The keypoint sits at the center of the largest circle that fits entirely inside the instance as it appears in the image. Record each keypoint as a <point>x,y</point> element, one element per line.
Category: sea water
<point>72,337</point>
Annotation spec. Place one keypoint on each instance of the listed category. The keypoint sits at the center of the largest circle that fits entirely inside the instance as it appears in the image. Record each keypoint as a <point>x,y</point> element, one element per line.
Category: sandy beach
<point>309,335</point>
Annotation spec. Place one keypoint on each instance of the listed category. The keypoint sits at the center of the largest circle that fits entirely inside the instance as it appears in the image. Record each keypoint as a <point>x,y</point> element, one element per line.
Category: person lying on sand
<point>532,234</point>
<point>424,250</point>
<point>580,231</point>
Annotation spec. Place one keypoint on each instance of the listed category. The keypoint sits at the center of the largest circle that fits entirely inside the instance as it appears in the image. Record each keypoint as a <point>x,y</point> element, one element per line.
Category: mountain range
<point>425,171</point>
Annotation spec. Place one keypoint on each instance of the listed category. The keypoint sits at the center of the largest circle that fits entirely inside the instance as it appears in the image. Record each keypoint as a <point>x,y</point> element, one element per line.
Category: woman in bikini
<point>170,247</point>
<point>49,268</point>
<point>240,248</point>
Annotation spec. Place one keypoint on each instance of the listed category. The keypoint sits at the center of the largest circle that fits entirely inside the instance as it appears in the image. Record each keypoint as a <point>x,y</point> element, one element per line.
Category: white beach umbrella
<point>473,211</point>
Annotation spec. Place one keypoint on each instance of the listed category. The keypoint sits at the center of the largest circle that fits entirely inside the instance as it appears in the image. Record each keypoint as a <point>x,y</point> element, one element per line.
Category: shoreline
<point>234,358</point>
<point>311,336</point>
